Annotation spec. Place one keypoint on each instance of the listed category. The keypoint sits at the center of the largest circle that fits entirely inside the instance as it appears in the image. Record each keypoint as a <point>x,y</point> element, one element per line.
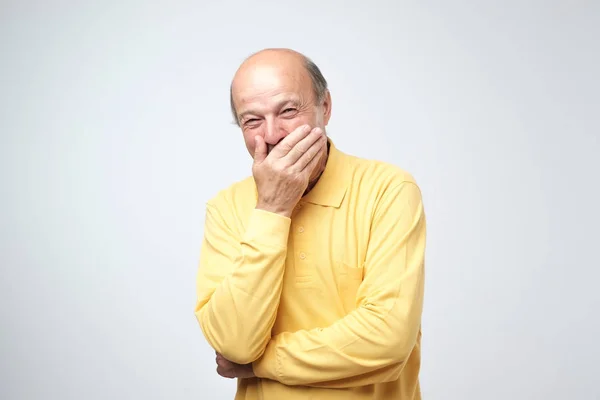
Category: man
<point>311,276</point>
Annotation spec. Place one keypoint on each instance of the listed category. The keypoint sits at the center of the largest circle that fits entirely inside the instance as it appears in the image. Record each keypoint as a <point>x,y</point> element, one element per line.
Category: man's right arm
<point>239,282</point>
<point>240,278</point>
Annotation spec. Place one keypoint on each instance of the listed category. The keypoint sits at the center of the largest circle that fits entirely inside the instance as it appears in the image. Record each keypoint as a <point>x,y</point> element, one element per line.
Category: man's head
<point>275,91</point>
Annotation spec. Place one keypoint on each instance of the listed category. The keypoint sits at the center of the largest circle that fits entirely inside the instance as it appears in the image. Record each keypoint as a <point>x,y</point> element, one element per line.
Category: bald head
<point>270,69</point>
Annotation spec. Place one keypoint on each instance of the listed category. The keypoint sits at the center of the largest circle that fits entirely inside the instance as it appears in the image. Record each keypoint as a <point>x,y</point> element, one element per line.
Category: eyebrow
<point>279,105</point>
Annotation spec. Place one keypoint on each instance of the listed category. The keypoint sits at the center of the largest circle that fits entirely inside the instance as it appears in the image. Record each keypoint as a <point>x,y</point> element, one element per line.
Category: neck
<point>322,166</point>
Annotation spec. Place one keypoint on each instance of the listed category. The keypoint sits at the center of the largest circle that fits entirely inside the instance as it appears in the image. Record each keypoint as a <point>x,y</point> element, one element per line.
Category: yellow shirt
<point>326,304</point>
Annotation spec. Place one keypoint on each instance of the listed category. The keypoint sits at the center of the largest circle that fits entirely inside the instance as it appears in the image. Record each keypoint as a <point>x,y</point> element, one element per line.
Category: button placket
<point>303,262</point>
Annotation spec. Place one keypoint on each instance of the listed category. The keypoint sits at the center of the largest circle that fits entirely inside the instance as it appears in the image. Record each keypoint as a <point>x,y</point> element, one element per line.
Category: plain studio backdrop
<point>115,131</point>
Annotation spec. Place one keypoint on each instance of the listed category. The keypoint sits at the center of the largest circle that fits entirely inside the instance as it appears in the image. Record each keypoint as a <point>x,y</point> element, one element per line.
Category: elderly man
<point>311,275</point>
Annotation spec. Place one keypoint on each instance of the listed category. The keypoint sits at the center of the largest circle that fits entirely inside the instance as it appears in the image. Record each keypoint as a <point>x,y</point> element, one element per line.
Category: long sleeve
<point>239,282</point>
<point>373,342</point>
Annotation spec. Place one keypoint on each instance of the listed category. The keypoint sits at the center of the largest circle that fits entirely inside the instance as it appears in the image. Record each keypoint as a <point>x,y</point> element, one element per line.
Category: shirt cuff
<point>268,228</point>
<point>268,366</point>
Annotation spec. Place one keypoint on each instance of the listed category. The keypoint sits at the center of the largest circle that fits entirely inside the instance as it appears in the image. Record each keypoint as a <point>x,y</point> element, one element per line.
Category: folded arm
<point>239,282</point>
<point>372,343</point>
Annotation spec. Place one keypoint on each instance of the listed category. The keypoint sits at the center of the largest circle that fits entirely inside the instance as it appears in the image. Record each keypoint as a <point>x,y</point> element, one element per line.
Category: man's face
<point>273,101</point>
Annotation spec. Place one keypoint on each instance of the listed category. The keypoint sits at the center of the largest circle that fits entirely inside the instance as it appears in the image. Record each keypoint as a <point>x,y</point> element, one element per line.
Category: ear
<point>326,108</point>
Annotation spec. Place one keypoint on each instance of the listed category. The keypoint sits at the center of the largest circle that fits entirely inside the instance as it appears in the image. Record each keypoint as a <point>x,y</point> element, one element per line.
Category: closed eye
<point>251,123</point>
<point>288,110</point>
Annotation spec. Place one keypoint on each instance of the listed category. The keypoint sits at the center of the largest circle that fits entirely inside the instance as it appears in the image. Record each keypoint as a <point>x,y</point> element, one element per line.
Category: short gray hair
<point>319,84</point>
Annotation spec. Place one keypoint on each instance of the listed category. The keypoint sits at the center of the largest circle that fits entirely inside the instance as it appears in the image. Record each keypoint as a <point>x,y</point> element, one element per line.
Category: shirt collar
<point>331,187</point>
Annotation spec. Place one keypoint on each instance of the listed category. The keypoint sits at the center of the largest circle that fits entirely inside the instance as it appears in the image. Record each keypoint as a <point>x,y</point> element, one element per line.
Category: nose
<point>274,133</point>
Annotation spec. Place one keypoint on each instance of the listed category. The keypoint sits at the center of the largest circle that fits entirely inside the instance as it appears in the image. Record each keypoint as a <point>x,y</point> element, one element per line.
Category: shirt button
<point>302,256</point>
<point>301,229</point>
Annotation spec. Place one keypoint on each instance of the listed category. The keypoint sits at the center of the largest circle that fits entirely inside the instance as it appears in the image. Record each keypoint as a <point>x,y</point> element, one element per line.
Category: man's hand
<point>283,175</point>
<point>228,369</point>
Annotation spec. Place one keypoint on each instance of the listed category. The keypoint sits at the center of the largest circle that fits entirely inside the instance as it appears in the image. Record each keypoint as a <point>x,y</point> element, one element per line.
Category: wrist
<point>283,211</point>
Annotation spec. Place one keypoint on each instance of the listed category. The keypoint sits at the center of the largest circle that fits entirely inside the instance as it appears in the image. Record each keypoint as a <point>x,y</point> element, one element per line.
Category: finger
<point>260,149</point>
<point>224,372</point>
<point>303,146</point>
<point>309,158</point>
<point>225,363</point>
<point>288,143</point>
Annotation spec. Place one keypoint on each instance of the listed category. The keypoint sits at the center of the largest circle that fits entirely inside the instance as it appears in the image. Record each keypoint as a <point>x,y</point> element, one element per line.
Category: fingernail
<point>318,131</point>
<point>306,128</point>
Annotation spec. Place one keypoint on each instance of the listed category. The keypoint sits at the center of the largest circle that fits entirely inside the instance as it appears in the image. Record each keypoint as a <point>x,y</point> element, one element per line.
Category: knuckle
<point>289,173</point>
<point>285,147</point>
<point>298,150</point>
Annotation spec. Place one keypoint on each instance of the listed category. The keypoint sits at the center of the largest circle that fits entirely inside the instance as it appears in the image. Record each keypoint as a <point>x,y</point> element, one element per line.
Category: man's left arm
<point>372,343</point>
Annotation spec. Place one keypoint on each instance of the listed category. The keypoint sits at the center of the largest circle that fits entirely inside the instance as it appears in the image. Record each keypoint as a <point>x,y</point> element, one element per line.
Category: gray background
<point>115,130</point>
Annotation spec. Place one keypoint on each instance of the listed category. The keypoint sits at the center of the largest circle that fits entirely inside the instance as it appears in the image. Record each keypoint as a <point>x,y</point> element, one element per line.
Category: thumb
<point>260,149</point>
